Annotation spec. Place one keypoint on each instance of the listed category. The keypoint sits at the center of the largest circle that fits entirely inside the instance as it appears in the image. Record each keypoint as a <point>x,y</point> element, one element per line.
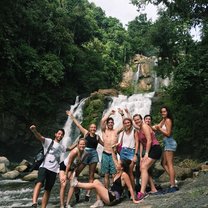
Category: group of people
<point>135,143</point>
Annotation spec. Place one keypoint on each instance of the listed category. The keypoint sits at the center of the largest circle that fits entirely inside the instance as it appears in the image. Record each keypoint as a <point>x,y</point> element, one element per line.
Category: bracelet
<point>146,153</point>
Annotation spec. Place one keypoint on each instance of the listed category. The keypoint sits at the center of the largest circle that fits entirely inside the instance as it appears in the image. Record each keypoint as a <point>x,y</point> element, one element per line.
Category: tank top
<point>143,139</point>
<point>117,186</point>
<point>91,142</point>
<point>128,139</point>
<point>77,159</point>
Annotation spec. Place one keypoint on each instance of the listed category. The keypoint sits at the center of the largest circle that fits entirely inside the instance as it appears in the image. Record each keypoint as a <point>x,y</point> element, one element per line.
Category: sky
<point>123,10</point>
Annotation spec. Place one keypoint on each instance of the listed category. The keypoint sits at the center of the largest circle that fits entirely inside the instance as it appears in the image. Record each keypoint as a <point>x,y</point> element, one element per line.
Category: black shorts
<point>155,152</point>
<point>62,166</point>
<point>113,199</point>
<point>46,177</point>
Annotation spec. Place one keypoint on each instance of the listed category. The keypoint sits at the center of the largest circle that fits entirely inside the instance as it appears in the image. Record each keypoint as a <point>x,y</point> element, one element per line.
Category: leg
<point>70,194</point>
<point>106,180</point>
<point>131,174</point>
<point>169,156</point>
<point>62,186</point>
<point>152,185</point>
<point>36,192</point>
<point>45,198</point>
<point>164,162</point>
<point>92,168</point>
<point>102,192</point>
<point>145,165</point>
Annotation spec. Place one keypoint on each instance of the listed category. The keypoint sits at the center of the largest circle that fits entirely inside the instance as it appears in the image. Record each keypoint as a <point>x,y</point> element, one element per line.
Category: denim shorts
<point>92,156</point>
<point>169,144</point>
<point>107,164</point>
<point>127,153</point>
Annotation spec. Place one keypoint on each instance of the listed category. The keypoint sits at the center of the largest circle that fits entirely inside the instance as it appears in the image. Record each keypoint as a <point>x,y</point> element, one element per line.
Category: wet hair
<point>169,115</point>
<point>148,115</point>
<point>109,119</point>
<point>62,131</point>
<point>127,119</point>
<point>125,164</point>
<point>137,115</point>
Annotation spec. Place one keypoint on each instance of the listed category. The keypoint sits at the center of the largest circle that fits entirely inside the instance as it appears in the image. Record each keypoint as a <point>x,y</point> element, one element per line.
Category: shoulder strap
<point>51,144</point>
<point>121,142</point>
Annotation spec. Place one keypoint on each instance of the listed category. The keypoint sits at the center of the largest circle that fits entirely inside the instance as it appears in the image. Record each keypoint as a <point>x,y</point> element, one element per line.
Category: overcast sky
<point>123,10</point>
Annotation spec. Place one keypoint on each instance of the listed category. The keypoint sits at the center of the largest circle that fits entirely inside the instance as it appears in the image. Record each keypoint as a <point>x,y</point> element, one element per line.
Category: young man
<point>110,137</point>
<point>49,167</point>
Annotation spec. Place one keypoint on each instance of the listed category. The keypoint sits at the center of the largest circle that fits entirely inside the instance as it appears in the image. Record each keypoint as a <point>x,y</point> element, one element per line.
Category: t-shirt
<point>52,159</point>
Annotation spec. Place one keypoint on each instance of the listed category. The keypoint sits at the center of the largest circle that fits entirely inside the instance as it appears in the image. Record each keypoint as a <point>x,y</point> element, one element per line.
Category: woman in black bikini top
<point>112,195</point>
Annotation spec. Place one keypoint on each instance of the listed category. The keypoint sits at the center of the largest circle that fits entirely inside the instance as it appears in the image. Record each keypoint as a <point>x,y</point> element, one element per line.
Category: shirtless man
<point>110,137</point>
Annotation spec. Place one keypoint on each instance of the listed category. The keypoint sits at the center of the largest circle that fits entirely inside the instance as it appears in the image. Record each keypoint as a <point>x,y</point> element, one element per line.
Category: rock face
<point>106,92</point>
<point>139,74</point>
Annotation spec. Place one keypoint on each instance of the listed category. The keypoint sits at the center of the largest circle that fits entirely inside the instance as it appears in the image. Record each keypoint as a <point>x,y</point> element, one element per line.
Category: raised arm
<point>37,134</point>
<point>104,119</point>
<point>100,141</point>
<point>114,155</point>
<point>81,128</point>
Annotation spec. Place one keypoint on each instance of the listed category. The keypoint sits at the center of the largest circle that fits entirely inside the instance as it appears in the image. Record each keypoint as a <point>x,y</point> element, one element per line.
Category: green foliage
<point>93,108</point>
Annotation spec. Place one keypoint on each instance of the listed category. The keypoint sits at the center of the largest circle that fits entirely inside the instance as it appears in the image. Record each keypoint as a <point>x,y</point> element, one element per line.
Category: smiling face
<point>92,128</point>
<point>110,123</point>
<point>148,120</point>
<point>81,144</point>
<point>59,135</point>
<point>164,112</point>
<point>137,120</point>
<point>127,123</point>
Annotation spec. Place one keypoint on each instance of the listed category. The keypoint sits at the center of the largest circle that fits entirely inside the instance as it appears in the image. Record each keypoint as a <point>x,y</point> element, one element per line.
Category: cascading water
<point>136,77</point>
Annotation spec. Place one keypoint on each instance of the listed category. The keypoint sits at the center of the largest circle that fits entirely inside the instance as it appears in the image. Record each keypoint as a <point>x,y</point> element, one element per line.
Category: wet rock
<point>4,160</point>
<point>31,176</point>
<point>21,168</point>
<point>11,174</point>
<point>3,168</point>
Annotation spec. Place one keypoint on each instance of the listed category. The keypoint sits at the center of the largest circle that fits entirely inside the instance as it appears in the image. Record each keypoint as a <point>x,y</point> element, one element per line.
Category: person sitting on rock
<point>113,195</point>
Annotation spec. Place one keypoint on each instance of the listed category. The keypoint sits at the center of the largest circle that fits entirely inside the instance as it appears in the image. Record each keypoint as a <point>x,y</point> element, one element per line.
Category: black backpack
<point>39,158</point>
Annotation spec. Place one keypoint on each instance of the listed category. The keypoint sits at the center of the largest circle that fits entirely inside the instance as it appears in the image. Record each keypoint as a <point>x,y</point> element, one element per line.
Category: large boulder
<point>181,174</point>
<point>11,174</point>
<point>23,166</point>
<point>31,176</point>
<point>4,160</point>
<point>106,92</point>
<point>3,168</point>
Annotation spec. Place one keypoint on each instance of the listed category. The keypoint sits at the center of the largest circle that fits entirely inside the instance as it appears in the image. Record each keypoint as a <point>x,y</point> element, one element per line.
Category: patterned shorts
<point>107,164</point>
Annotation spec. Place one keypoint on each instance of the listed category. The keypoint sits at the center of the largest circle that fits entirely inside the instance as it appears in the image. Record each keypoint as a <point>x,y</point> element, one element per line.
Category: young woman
<point>73,160</point>
<point>153,151</point>
<point>170,145</point>
<point>92,159</point>
<point>113,195</point>
<point>129,140</point>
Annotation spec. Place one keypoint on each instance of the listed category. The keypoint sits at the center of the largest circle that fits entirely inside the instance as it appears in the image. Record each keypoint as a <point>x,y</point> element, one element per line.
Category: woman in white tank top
<point>129,140</point>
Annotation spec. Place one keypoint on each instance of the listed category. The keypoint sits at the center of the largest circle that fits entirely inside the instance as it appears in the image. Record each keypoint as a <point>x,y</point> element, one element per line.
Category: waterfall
<point>71,132</point>
<point>137,103</point>
<point>136,77</point>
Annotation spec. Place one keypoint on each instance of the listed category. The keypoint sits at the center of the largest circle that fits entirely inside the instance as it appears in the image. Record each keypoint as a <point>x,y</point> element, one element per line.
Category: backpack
<point>39,158</point>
